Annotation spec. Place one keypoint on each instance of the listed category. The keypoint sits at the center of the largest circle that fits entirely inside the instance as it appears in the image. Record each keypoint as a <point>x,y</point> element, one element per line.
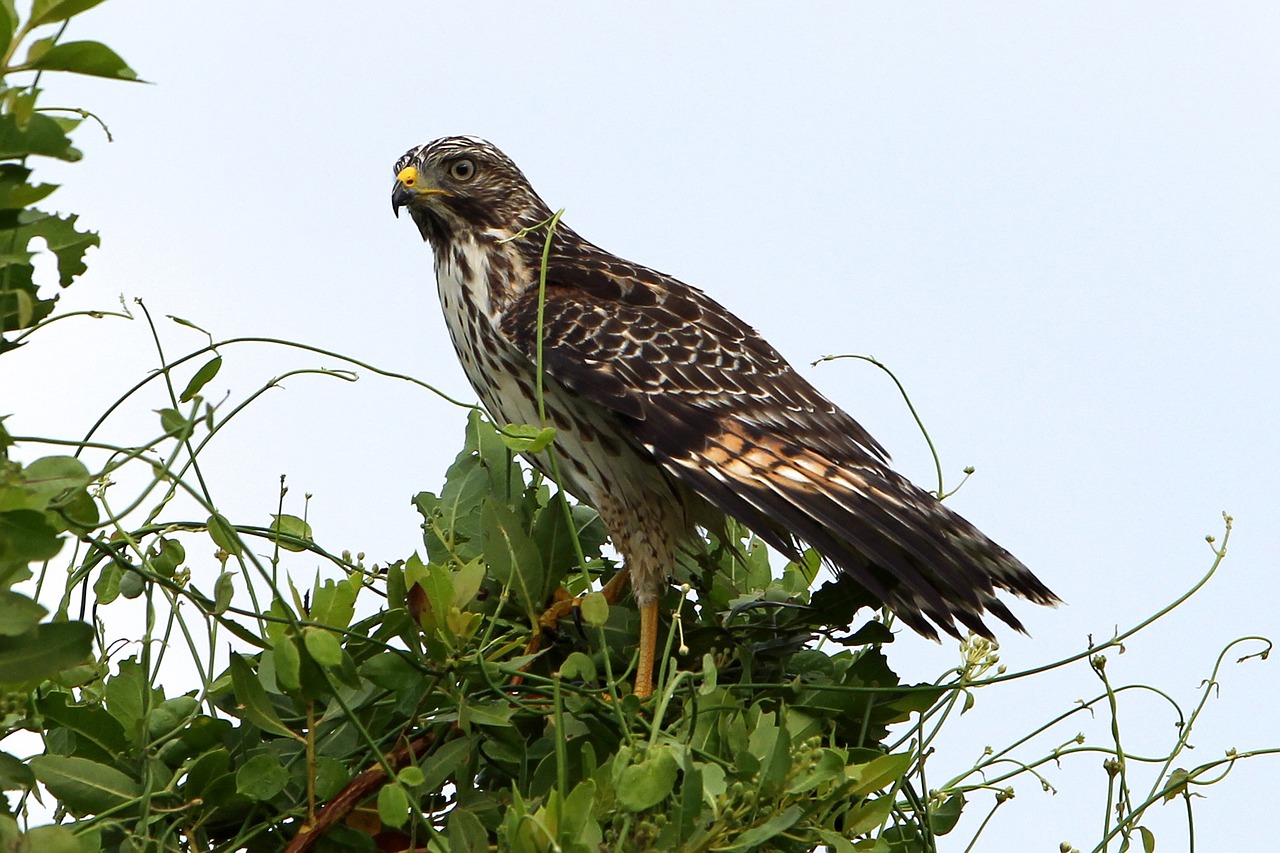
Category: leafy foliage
<point>429,703</point>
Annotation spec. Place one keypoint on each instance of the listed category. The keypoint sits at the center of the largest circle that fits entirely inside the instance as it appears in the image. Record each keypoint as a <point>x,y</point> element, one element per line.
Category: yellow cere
<point>408,176</point>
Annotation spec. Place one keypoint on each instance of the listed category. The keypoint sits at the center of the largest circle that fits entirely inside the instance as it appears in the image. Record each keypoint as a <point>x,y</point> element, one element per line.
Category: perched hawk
<point>669,410</point>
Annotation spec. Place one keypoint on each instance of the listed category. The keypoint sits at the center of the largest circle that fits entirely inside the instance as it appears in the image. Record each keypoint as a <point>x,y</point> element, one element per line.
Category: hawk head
<point>460,184</point>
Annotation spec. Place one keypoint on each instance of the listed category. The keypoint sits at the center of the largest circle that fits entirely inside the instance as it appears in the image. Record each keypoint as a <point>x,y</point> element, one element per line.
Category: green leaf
<point>60,234</point>
<point>292,527</point>
<point>1148,840</point>
<point>323,646</point>
<point>26,537</point>
<point>1176,784</point>
<point>867,815</point>
<point>466,833</point>
<point>223,591</point>
<point>175,424</point>
<point>251,697</point>
<point>53,839</point>
<point>288,663</point>
<point>47,478</point>
<point>39,135</point>
<point>411,776</point>
<point>644,785</point>
<point>595,609</point>
<point>15,775</point>
<point>828,768</point>
<point>98,735</point>
<point>513,558</point>
<point>223,534</point>
<point>165,555</point>
<point>84,57</point>
<point>334,602</point>
<point>126,694</point>
<point>525,438</point>
<point>877,773</point>
<point>201,378</point>
<point>946,815</point>
<point>578,667</point>
<point>261,777</point>
<point>18,614</point>
<point>84,787</point>
<point>753,838</point>
<point>52,11</point>
<point>44,652</point>
<point>393,805</point>
<point>8,23</point>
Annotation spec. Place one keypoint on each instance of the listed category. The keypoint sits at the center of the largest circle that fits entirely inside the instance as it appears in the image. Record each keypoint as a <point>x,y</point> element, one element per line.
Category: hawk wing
<point>721,411</point>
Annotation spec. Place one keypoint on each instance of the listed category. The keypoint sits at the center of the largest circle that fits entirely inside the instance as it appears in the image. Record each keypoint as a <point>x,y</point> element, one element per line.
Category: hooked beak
<point>409,188</point>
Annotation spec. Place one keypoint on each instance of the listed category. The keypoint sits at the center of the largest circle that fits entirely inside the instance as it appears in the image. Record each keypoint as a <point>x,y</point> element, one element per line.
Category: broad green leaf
<point>201,378</point>
<point>98,735</point>
<point>165,555</point>
<point>82,786</point>
<point>946,815</point>
<point>595,609</point>
<point>251,697</point>
<point>867,815</point>
<point>38,135</point>
<point>644,785</point>
<point>578,667</point>
<point>441,765</point>
<point>53,839</point>
<point>59,232</point>
<point>48,649</point>
<point>261,778</point>
<point>1148,840</point>
<point>175,424</point>
<point>126,694</point>
<point>467,581</point>
<point>393,805</point>
<point>47,478</point>
<point>14,774</point>
<point>26,537</point>
<point>288,663</point>
<point>334,602</point>
<point>525,438</point>
<point>52,11</point>
<point>828,768</point>
<point>286,528</point>
<point>411,776</point>
<point>331,777</point>
<point>18,614</point>
<point>223,534</point>
<point>512,556</point>
<point>8,23</point>
<point>878,773</point>
<point>323,646</point>
<point>466,833</point>
<point>84,57</point>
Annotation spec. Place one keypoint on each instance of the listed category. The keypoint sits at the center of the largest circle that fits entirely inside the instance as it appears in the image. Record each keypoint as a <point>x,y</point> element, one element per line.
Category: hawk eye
<point>462,170</point>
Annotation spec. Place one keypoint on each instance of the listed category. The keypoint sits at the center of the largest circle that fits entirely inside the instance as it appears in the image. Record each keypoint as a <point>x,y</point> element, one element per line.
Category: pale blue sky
<point>1058,223</point>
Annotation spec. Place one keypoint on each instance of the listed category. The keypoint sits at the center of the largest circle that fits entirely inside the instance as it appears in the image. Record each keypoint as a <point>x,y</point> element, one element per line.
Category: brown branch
<point>357,791</point>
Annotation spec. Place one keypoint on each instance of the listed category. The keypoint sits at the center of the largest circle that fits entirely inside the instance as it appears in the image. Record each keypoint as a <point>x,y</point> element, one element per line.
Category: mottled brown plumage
<point>670,410</point>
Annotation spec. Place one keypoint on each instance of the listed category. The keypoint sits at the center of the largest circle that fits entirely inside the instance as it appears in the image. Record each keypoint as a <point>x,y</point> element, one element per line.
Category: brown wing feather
<point>719,409</point>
